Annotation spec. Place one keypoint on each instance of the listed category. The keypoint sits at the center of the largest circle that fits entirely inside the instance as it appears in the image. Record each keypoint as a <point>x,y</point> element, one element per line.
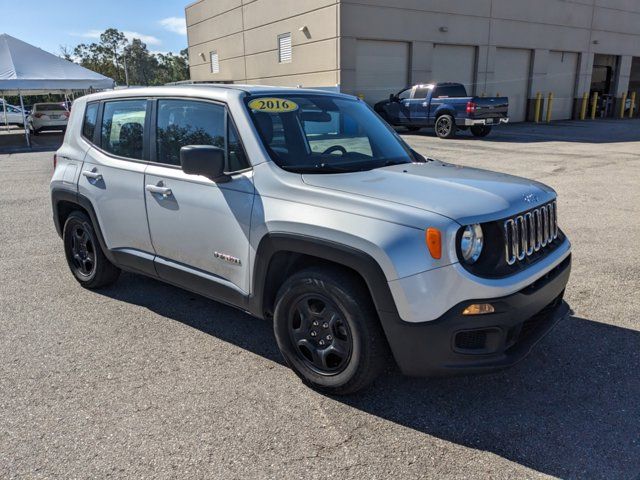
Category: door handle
<point>164,191</point>
<point>93,175</point>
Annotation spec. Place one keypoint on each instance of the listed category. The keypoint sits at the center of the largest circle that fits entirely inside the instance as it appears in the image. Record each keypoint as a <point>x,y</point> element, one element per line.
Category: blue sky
<point>50,23</point>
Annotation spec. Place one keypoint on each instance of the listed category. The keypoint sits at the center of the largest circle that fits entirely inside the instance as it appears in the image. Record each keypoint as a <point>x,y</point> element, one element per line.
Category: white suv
<point>303,207</point>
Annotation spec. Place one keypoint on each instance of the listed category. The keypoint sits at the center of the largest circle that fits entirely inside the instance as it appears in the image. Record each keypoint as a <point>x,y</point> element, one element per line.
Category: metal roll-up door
<point>561,80</point>
<point>454,63</point>
<point>381,68</point>
<point>511,79</point>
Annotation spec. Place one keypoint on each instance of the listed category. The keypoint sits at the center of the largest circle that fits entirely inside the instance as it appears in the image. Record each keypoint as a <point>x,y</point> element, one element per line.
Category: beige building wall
<point>328,52</point>
<point>245,35</point>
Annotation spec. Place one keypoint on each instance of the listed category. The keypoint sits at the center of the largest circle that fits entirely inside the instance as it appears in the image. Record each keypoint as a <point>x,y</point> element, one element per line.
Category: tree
<point>115,57</point>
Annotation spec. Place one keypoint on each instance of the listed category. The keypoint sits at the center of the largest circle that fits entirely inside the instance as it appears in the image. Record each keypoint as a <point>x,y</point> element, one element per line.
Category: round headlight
<point>471,243</point>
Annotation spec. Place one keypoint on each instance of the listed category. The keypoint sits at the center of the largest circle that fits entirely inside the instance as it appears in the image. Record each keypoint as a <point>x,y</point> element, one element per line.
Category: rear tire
<point>84,255</point>
<point>445,126</point>
<point>328,331</point>
<point>480,130</point>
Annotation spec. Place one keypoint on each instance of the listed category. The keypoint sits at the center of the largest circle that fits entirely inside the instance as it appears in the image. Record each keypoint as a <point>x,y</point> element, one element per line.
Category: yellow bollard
<point>583,109</point>
<point>624,103</point>
<point>594,104</point>
<point>633,104</point>
<point>536,113</point>
<point>549,106</point>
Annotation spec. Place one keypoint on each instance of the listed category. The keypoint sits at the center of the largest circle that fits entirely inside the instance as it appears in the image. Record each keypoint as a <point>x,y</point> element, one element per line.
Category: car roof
<point>218,91</point>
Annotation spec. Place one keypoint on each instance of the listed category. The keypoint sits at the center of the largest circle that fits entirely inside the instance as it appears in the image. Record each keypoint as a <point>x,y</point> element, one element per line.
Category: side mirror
<point>205,160</point>
<point>392,97</point>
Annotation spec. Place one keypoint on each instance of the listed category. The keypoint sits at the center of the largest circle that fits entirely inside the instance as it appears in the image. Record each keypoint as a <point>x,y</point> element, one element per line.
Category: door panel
<point>512,80</point>
<point>561,75</point>
<point>200,224</point>
<point>116,190</point>
<point>382,68</point>
<point>454,63</point>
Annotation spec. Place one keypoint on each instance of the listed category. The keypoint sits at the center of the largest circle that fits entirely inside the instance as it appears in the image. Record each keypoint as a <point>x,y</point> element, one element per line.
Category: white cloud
<point>94,34</point>
<point>148,39</point>
<point>175,24</point>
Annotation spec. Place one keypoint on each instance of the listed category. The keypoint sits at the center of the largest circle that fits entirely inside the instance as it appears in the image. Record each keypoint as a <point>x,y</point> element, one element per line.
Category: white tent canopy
<point>28,69</point>
<point>25,68</point>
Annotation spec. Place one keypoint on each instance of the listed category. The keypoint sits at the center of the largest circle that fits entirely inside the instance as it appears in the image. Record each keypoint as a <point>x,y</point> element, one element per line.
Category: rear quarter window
<point>450,91</point>
<point>89,122</point>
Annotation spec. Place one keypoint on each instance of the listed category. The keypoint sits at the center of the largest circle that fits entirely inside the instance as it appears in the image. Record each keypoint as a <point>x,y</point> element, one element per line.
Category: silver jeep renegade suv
<point>303,207</point>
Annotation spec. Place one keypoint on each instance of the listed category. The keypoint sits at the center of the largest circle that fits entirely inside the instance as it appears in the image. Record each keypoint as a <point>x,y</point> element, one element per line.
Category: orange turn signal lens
<point>434,242</point>
<point>479,309</point>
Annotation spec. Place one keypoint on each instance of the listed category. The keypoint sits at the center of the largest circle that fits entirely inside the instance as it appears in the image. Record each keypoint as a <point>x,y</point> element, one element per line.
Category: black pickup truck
<point>444,106</point>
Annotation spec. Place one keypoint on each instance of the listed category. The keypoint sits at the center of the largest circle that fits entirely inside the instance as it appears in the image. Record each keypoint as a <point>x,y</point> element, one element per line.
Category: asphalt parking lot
<point>146,380</point>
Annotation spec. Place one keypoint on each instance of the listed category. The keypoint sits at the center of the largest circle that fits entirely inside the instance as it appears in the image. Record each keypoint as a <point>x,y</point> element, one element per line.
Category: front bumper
<point>455,343</point>
<point>468,122</point>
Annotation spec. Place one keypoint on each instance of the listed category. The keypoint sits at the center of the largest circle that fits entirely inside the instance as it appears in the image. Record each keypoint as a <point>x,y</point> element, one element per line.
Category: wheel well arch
<point>281,255</point>
<point>445,111</point>
<point>64,208</point>
<point>285,263</point>
<point>64,202</point>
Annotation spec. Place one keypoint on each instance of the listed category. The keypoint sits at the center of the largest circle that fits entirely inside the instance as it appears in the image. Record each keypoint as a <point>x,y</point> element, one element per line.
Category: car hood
<point>466,195</point>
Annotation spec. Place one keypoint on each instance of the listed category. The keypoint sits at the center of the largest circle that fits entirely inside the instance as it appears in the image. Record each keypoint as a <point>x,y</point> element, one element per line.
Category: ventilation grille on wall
<point>215,63</point>
<point>284,48</point>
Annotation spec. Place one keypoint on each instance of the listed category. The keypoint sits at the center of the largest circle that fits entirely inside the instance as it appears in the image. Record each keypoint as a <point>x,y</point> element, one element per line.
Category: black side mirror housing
<point>392,97</point>
<point>205,160</point>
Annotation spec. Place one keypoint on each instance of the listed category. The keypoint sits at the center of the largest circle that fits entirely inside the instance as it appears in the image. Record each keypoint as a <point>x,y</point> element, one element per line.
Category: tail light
<point>38,115</point>
<point>66,114</point>
<point>471,108</point>
<point>55,161</point>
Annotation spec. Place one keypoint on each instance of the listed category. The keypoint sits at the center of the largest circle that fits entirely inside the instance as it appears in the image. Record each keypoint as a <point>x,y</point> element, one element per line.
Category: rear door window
<point>123,128</point>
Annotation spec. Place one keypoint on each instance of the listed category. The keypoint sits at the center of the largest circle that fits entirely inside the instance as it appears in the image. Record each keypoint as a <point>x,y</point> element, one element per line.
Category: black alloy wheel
<point>328,330</point>
<point>445,126</point>
<point>83,252</point>
<point>86,260</point>
<point>321,336</point>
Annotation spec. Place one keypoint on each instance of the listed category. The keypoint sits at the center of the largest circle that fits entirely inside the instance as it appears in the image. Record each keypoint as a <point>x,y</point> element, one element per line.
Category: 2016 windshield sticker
<point>273,105</point>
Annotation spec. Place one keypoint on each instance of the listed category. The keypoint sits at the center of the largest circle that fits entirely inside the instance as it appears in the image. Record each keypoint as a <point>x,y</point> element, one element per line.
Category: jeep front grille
<point>529,232</point>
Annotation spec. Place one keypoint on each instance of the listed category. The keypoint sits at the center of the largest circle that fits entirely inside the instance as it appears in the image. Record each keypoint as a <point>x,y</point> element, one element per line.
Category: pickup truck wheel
<point>445,126</point>
<point>480,130</point>
<point>84,254</point>
<point>328,331</point>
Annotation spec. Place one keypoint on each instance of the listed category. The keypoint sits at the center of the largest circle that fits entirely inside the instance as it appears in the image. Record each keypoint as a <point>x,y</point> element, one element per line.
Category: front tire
<point>480,130</point>
<point>84,255</point>
<point>328,331</point>
<point>445,126</point>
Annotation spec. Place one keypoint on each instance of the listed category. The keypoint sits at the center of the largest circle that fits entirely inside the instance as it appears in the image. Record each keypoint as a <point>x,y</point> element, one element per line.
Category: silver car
<point>304,208</point>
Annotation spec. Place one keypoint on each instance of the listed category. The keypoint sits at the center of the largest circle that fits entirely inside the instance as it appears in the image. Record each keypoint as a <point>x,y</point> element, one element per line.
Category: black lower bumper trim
<point>456,343</point>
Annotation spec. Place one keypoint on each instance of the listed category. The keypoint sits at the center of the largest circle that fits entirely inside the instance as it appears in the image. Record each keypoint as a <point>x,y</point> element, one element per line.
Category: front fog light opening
<point>471,243</point>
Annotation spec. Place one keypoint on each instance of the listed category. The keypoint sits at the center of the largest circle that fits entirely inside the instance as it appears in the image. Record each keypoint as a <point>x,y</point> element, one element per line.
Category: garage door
<point>454,63</point>
<point>511,79</point>
<point>381,68</point>
<point>561,79</point>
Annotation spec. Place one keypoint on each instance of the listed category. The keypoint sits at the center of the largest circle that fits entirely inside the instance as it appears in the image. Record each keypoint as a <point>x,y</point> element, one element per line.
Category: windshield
<point>321,133</point>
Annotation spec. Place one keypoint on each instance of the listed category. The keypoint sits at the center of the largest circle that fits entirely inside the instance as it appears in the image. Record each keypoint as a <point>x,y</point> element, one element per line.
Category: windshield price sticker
<point>273,105</point>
